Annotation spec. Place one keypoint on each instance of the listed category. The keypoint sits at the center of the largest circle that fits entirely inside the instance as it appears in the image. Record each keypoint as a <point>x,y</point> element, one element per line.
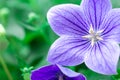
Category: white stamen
<point>99,32</point>
<point>92,42</point>
<point>93,36</point>
<point>91,29</point>
<point>87,36</point>
<point>99,38</point>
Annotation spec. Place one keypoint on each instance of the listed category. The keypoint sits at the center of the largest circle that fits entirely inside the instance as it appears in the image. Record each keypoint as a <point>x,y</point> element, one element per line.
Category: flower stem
<point>5,68</point>
<point>26,76</point>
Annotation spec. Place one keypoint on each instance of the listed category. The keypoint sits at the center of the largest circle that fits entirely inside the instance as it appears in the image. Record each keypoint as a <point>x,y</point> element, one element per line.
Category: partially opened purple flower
<point>88,33</point>
<point>55,72</point>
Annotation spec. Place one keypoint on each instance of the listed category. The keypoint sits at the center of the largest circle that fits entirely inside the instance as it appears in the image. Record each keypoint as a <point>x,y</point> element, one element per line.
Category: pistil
<point>93,36</point>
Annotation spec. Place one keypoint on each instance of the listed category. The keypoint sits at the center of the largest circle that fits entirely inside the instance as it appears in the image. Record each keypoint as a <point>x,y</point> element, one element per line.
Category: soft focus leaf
<point>15,30</point>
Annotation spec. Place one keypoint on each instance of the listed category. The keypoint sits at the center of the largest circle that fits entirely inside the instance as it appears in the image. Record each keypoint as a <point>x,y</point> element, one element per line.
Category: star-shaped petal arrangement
<point>88,33</point>
<point>56,72</point>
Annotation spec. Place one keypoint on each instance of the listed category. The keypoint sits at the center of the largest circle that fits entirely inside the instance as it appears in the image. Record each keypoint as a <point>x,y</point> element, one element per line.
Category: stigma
<point>94,36</point>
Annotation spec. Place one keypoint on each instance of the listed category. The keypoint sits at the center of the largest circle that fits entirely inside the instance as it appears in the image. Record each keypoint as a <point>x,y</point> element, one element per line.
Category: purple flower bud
<point>55,72</point>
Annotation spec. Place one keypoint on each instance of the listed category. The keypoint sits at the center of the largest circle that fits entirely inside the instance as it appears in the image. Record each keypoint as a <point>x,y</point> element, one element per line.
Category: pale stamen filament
<point>94,36</point>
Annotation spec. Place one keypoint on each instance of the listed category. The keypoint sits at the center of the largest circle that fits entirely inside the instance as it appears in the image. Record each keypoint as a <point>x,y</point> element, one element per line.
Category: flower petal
<point>52,72</point>
<point>95,11</point>
<point>76,78</point>
<point>67,19</point>
<point>71,75</point>
<point>103,57</point>
<point>111,25</point>
<point>45,73</point>
<point>68,50</point>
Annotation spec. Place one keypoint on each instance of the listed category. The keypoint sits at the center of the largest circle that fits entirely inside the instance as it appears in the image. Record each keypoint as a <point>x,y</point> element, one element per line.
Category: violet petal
<point>68,50</point>
<point>95,11</point>
<point>67,19</point>
<point>103,57</point>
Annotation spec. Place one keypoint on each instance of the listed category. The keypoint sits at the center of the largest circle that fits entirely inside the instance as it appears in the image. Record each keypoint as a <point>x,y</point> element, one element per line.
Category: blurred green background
<point>29,36</point>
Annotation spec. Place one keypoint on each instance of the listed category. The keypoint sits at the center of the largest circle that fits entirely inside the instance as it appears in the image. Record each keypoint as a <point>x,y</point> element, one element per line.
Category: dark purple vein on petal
<point>84,22</point>
<point>82,50</point>
<point>77,18</point>
<point>110,29</point>
<point>72,23</point>
<point>110,36</point>
<point>104,57</point>
<point>87,47</point>
<point>90,15</point>
<point>75,30</point>
<point>96,47</point>
<point>101,14</point>
<point>91,54</point>
<point>70,49</point>
<point>108,24</point>
<point>94,3</point>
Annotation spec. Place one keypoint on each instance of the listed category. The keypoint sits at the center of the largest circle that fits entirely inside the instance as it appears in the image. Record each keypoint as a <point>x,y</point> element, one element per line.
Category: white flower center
<point>93,36</point>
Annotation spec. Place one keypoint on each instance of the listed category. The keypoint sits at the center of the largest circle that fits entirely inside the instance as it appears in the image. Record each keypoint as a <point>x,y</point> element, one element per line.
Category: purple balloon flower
<point>88,33</point>
<point>55,72</point>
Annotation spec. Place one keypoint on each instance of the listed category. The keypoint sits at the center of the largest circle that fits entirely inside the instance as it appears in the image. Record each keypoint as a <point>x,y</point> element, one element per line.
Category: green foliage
<point>29,36</point>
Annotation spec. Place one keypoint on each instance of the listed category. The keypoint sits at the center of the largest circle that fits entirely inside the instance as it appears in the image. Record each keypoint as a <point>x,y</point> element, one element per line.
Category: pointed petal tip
<point>66,19</point>
<point>110,72</point>
<point>56,8</point>
<point>71,74</point>
<point>102,60</point>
